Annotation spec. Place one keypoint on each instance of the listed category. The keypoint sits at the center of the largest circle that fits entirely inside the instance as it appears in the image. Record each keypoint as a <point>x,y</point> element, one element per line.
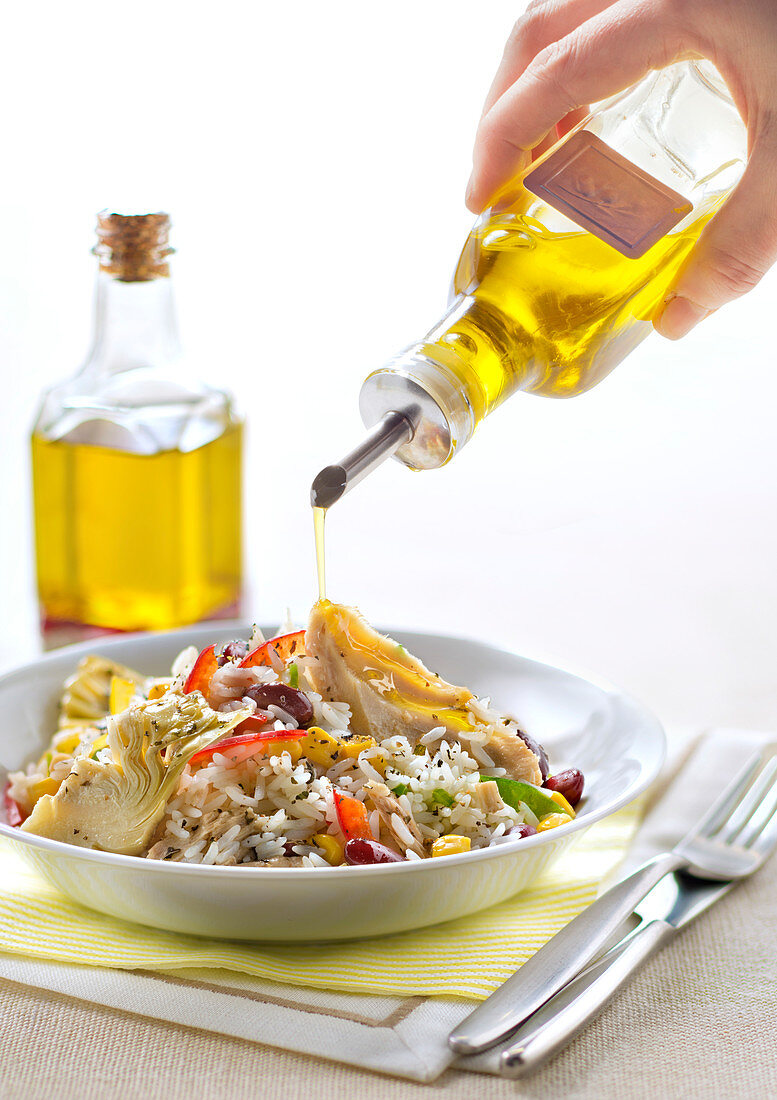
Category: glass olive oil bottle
<point>561,277</point>
<point>136,465</point>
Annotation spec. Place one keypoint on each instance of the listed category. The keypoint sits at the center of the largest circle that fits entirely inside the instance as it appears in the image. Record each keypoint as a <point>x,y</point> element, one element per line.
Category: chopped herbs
<point>441,797</point>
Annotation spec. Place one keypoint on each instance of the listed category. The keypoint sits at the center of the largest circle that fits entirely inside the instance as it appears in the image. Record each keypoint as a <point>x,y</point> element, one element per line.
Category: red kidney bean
<point>359,852</point>
<point>232,651</point>
<point>569,783</point>
<point>521,831</point>
<point>538,751</point>
<point>294,702</point>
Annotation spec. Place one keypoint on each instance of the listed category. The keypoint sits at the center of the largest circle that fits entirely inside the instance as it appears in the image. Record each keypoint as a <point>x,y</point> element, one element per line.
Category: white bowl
<point>616,743</point>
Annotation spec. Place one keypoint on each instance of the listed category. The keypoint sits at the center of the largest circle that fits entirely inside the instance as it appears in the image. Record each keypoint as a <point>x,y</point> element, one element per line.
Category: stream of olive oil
<point>132,541</point>
<point>319,517</point>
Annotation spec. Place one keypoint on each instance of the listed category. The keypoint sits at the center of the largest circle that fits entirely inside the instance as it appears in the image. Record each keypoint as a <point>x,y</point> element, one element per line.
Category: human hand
<point>563,54</point>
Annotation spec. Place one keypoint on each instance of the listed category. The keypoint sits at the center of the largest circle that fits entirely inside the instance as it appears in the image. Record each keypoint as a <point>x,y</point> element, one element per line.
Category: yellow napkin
<point>468,957</point>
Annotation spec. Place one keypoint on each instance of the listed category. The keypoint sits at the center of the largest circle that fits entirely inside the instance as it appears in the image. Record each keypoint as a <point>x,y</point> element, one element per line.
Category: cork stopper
<point>133,247</point>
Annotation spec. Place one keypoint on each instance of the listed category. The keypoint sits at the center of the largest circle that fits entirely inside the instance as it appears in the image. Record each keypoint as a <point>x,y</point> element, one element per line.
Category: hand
<point>563,54</point>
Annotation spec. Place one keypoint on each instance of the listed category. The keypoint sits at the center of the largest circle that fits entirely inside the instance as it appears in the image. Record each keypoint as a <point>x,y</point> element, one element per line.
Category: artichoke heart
<point>387,689</point>
<point>116,805</point>
<point>86,697</point>
<point>391,693</point>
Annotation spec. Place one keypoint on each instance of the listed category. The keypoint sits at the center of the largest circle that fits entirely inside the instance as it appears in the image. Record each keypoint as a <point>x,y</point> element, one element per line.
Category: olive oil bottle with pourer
<point>560,278</point>
<point>136,464</point>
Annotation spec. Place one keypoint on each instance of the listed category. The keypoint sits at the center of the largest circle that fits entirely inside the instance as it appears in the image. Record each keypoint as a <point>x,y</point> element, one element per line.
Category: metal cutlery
<point>730,842</point>
<point>672,904</point>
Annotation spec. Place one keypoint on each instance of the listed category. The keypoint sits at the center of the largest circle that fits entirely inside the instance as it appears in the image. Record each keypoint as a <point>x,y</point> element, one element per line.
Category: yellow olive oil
<point>132,541</point>
<point>548,312</point>
<point>319,518</point>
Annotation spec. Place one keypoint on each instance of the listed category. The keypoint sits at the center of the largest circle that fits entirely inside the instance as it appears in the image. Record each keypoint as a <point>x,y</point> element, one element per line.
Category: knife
<point>671,905</point>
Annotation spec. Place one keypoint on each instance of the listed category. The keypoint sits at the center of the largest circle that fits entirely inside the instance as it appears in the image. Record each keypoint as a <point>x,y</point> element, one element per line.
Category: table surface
<point>631,531</point>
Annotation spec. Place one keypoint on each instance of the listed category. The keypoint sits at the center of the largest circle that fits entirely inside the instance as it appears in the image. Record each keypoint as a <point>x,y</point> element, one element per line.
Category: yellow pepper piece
<point>451,845</point>
<point>356,744</point>
<point>43,786</point>
<point>121,694</point>
<point>100,743</point>
<point>320,747</point>
<point>67,742</point>
<point>275,748</point>
<point>559,799</point>
<point>552,821</point>
<point>325,749</point>
<point>156,691</point>
<point>331,848</point>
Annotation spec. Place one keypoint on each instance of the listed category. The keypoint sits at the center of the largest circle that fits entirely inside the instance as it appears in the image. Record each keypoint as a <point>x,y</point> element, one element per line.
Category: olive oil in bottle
<point>136,465</point>
<point>561,277</point>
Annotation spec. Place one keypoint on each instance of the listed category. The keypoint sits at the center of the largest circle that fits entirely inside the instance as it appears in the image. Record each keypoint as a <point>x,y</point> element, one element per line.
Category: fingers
<point>544,21</point>
<point>604,55</point>
<point>735,250</point>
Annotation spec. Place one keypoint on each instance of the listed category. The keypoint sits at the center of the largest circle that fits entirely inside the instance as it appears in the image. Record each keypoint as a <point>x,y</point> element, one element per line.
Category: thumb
<point>735,250</point>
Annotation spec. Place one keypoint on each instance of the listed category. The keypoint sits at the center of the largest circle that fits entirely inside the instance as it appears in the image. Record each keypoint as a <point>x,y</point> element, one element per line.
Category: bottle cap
<point>133,247</point>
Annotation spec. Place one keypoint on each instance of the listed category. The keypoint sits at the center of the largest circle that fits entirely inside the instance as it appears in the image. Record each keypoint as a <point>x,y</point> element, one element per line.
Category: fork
<point>731,841</point>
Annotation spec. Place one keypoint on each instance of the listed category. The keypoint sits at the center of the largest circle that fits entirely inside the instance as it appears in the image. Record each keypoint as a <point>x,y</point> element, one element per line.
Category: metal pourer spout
<point>385,438</point>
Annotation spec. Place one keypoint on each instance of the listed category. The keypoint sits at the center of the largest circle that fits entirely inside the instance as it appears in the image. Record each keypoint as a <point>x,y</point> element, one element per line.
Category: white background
<point>314,158</point>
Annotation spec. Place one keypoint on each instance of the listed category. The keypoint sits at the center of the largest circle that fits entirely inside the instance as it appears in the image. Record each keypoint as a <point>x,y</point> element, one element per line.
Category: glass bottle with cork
<point>136,464</point>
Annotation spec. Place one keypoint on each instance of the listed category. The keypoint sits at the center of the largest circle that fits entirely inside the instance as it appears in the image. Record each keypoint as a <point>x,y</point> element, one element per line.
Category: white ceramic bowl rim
<point>405,867</point>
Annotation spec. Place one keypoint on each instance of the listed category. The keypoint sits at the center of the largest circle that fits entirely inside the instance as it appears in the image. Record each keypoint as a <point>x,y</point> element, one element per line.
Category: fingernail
<point>679,316</point>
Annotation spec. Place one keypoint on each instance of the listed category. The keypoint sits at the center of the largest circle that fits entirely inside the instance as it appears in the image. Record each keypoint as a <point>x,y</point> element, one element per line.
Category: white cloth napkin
<point>403,1037</point>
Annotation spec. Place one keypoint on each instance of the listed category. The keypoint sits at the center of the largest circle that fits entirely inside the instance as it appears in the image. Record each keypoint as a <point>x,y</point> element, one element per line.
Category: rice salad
<point>247,755</point>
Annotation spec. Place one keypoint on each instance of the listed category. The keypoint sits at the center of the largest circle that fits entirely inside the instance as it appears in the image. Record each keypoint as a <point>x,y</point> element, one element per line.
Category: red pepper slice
<point>285,646</point>
<point>14,814</point>
<point>252,725</point>
<point>243,745</point>
<point>201,675</point>
<point>352,816</point>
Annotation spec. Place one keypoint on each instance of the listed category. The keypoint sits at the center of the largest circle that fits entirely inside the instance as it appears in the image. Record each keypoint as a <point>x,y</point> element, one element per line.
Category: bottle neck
<point>135,326</point>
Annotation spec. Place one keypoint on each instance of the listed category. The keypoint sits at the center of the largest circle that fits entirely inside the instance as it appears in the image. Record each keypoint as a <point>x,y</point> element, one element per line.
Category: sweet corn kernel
<point>451,845</point>
<point>320,747</point>
<point>379,763</point>
<point>121,693</point>
<point>156,691</point>
<point>559,799</point>
<point>551,821</point>
<point>331,848</point>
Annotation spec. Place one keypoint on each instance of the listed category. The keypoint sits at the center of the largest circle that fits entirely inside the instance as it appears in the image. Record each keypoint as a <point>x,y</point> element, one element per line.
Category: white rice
<point>228,812</point>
